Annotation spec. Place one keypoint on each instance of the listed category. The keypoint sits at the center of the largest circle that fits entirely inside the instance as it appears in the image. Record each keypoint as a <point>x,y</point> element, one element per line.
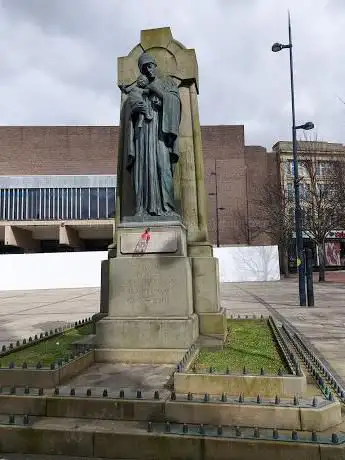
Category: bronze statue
<point>149,148</point>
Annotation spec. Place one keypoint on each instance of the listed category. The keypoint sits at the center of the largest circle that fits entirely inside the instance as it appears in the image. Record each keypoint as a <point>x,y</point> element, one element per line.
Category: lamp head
<point>277,47</point>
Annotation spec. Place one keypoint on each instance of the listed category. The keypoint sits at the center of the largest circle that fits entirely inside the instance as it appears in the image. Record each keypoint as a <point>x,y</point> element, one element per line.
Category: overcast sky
<point>58,61</point>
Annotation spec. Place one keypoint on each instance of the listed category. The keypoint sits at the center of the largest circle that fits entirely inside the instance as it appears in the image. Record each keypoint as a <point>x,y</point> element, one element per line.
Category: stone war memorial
<point>162,290</point>
<point>160,372</point>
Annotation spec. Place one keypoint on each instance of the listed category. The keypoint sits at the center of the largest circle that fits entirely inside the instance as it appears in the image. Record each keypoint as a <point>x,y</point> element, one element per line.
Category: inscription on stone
<point>159,242</point>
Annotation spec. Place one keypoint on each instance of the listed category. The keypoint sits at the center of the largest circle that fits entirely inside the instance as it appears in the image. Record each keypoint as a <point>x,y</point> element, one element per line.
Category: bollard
<point>335,438</point>
<point>294,435</point>
<point>309,277</point>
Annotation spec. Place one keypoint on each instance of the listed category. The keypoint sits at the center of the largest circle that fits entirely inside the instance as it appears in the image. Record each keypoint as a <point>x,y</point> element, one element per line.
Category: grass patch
<point>49,350</point>
<point>250,343</point>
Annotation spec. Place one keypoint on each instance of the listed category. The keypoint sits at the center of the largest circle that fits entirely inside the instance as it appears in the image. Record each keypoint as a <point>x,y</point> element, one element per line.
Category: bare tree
<point>273,218</point>
<point>322,193</point>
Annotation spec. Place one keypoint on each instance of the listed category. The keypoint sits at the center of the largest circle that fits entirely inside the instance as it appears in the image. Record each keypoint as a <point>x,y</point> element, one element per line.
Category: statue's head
<point>147,65</point>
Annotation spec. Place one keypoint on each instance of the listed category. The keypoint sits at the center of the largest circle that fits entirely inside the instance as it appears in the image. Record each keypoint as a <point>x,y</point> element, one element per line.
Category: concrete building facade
<point>57,186</point>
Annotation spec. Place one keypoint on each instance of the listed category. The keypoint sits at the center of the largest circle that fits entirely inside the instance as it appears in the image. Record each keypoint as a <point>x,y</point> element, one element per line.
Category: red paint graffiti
<point>146,236</point>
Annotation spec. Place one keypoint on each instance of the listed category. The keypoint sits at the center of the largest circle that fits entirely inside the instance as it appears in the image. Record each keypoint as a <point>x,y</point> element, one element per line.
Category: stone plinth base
<point>139,356</point>
<point>163,238</point>
<point>150,286</point>
<point>147,333</point>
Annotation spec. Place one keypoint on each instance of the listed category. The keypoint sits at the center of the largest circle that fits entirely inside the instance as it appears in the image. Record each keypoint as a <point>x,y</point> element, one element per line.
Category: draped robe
<point>149,154</point>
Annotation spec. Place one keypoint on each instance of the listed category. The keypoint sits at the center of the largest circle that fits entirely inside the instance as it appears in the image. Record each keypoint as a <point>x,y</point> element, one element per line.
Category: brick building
<point>57,185</point>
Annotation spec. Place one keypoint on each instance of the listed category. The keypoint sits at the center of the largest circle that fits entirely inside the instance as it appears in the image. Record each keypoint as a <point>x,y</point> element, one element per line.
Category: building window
<point>288,167</point>
<point>68,203</point>
<point>111,202</point>
<point>290,191</point>
<point>322,168</point>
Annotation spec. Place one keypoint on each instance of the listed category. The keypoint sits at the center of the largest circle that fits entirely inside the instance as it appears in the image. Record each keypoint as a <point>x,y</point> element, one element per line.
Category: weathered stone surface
<point>139,356</point>
<point>251,449</point>
<point>150,287</point>
<point>147,333</point>
<point>205,284</point>
<point>213,324</point>
<point>105,409</point>
<point>236,384</point>
<point>286,418</point>
<point>124,445</point>
<point>161,242</point>
<point>320,419</point>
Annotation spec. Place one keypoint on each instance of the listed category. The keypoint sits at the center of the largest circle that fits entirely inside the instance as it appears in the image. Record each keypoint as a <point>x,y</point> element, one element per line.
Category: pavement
<point>26,313</point>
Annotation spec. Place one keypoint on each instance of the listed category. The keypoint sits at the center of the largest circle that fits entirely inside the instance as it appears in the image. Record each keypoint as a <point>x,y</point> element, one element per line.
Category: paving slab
<point>26,313</point>
<point>128,377</point>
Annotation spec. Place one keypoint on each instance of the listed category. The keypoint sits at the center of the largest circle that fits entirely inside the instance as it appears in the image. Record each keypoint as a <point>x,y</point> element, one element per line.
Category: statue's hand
<point>154,87</point>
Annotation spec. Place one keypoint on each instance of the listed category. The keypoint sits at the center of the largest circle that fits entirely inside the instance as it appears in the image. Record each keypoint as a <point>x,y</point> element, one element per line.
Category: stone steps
<point>301,414</point>
<point>133,440</point>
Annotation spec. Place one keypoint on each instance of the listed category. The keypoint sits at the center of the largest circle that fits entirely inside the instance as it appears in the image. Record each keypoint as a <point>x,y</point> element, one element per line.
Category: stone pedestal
<point>150,307</point>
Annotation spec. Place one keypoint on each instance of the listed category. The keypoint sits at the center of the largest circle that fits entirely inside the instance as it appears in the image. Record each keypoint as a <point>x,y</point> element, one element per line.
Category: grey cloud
<point>59,60</point>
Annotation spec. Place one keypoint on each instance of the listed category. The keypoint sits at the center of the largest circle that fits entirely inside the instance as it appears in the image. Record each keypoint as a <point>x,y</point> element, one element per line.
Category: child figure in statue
<point>138,99</point>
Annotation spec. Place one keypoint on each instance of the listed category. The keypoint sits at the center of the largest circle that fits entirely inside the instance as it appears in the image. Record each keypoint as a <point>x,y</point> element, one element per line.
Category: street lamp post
<point>217,209</point>
<point>298,215</point>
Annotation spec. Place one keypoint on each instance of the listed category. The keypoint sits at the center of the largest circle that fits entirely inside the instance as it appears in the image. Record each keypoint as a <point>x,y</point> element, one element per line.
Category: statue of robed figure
<point>150,119</point>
